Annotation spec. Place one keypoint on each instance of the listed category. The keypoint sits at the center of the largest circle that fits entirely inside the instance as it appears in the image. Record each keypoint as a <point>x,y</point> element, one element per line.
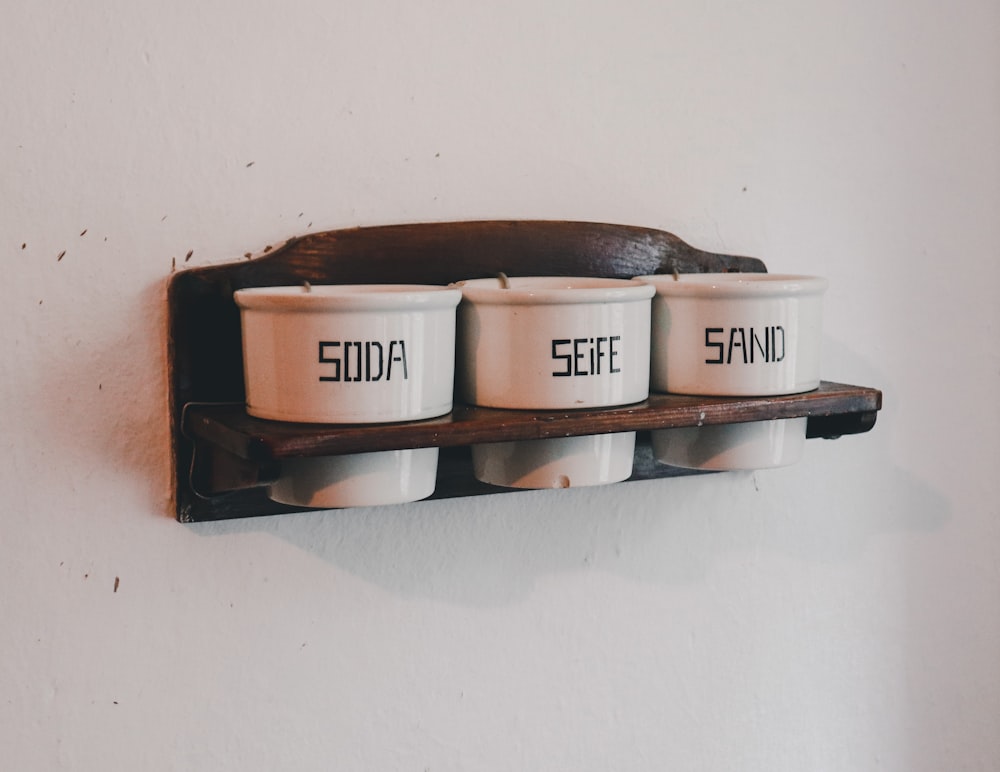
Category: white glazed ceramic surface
<point>733,334</point>
<point>563,462</point>
<point>553,342</point>
<point>348,353</point>
<point>728,447</point>
<point>357,480</point>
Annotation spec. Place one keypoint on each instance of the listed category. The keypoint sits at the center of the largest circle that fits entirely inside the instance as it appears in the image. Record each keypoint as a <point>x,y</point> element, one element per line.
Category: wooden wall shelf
<point>224,458</point>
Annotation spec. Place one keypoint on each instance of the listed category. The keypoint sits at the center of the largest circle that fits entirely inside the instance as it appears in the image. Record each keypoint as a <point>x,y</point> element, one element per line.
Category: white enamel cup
<point>554,343</point>
<point>731,447</point>
<point>733,334</point>
<point>736,334</point>
<point>563,462</point>
<point>357,479</point>
<point>347,354</point>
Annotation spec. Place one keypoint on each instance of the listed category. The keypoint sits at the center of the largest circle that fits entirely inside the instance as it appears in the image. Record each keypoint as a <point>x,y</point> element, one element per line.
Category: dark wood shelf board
<point>230,428</point>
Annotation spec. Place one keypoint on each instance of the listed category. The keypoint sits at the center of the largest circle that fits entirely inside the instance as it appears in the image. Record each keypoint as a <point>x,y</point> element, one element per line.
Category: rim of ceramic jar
<point>736,284</point>
<point>552,290</point>
<point>348,297</point>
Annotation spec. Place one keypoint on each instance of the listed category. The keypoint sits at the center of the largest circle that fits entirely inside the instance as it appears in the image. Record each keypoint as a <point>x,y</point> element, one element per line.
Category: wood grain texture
<point>231,429</point>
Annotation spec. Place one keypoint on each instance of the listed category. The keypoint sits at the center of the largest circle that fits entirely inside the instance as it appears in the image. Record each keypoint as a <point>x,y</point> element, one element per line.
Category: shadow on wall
<point>492,550</point>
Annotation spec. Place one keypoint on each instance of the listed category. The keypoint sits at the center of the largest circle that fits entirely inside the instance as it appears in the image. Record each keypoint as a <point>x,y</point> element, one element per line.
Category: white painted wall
<point>843,614</point>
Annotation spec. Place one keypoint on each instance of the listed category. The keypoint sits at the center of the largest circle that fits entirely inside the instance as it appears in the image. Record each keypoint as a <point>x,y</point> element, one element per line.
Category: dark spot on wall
<point>61,255</point>
<point>188,255</point>
<point>267,249</point>
<point>246,255</point>
<point>83,232</point>
<point>116,590</point>
<point>251,164</point>
<point>24,245</point>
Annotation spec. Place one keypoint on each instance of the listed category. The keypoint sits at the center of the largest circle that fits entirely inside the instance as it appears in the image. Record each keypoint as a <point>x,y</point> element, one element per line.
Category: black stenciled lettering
<point>586,356</point>
<point>402,355</point>
<point>614,353</point>
<point>600,352</point>
<point>348,376</point>
<point>567,358</point>
<point>577,356</point>
<point>763,347</point>
<point>742,345</point>
<point>774,343</point>
<point>369,347</point>
<point>709,343</point>
<point>324,359</point>
<point>395,356</point>
<point>768,346</point>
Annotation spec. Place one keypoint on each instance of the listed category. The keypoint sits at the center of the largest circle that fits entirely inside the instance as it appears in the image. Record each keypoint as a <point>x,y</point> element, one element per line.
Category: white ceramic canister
<point>350,354</point>
<point>735,334</point>
<point>554,343</point>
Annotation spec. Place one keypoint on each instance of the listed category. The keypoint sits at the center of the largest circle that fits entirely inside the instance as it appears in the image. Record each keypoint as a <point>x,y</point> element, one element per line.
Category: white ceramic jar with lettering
<point>554,343</point>
<point>736,334</point>
<point>347,354</point>
<point>733,334</point>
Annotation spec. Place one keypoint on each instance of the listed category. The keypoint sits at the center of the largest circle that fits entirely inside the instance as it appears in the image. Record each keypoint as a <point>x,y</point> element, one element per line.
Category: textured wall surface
<point>840,614</point>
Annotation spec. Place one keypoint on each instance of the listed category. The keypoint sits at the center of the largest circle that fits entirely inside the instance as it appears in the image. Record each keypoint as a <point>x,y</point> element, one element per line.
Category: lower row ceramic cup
<point>350,354</point>
<point>733,334</point>
<point>357,479</point>
<point>732,447</point>
<point>563,462</point>
<point>554,343</point>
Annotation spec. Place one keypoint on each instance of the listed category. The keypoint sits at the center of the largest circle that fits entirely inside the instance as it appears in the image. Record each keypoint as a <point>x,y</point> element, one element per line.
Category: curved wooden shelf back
<point>438,253</point>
